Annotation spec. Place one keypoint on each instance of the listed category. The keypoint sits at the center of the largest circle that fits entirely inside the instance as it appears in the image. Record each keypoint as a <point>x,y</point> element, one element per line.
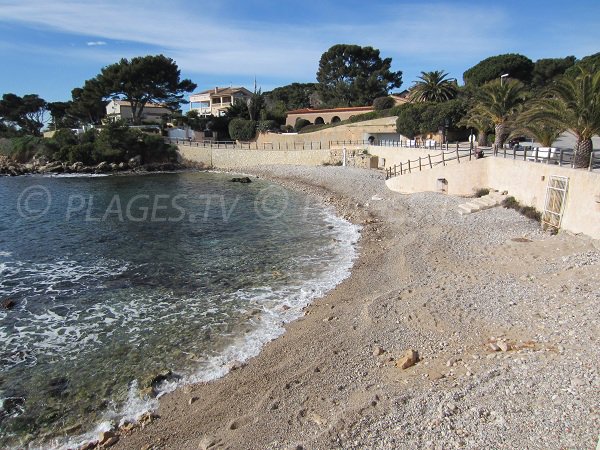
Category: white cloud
<point>213,40</point>
<point>95,43</point>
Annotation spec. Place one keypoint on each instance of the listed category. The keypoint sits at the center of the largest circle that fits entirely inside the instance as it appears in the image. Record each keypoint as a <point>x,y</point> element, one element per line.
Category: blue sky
<point>49,47</point>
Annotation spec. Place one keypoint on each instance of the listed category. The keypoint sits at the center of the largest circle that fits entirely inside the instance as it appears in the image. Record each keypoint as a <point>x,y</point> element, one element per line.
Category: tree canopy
<point>500,102</point>
<point>420,118</point>
<point>573,104</point>
<point>434,87</point>
<point>142,80</point>
<point>546,70</point>
<point>293,96</point>
<point>25,112</point>
<point>518,67</point>
<point>590,63</point>
<point>88,105</point>
<point>351,75</point>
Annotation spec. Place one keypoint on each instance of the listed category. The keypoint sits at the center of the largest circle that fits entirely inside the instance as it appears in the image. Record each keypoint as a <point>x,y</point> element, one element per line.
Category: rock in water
<point>105,437</point>
<point>9,303</point>
<point>410,358</point>
<point>241,180</point>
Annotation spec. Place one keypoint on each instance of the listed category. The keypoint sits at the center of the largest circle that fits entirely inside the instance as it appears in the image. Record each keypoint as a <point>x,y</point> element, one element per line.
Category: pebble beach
<point>476,331</point>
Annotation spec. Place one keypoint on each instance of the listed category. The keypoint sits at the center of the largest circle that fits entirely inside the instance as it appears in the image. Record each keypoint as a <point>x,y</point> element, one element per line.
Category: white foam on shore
<point>273,317</point>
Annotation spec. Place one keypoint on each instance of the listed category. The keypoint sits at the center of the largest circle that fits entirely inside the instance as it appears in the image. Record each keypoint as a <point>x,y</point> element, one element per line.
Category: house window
<point>226,99</point>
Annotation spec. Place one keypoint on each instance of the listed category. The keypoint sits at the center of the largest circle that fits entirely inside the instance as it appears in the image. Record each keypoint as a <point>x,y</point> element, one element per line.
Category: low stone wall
<point>234,158</point>
<point>526,181</point>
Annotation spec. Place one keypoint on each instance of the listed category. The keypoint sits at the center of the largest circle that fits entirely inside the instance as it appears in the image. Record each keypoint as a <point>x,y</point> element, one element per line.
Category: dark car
<point>516,141</point>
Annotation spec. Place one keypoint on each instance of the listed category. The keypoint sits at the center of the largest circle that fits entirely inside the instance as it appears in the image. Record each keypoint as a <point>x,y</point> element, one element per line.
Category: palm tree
<point>573,104</point>
<point>543,132</point>
<point>434,87</point>
<point>500,102</point>
<point>481,123</point>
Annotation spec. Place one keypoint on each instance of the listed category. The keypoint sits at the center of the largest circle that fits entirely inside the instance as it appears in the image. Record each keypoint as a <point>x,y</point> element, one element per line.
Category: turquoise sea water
<point>116,279</point>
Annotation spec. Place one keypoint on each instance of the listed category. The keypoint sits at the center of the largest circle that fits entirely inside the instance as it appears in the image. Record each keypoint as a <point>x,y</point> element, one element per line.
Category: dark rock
<point>136,161</point>
<point>241,180</point>
<point>57,386</point>
<point>9,303</point>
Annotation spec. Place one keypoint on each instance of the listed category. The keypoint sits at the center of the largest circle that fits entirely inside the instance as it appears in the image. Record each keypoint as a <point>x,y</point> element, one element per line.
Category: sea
<point>117,289</point>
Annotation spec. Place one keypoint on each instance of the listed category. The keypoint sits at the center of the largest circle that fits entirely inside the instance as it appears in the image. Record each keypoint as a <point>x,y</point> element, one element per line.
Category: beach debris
<point>148,418</point>
<point>452,361</point>
<point>241,180</point>
<point>236,365</point>
<point>504,346</point>
<point>317,419</point>
<point>494,347</point>
<point>207,442</point>
<point>9,303</point>
<point>193,400</point>
<point>378,350</point>
<point>409,359</point>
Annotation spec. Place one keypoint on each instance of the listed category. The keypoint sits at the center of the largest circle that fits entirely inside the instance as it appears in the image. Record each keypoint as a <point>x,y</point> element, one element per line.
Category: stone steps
<point>478,204</point>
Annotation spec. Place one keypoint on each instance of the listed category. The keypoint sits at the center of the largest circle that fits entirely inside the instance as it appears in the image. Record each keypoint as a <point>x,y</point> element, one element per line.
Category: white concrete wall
<point>526,181</point>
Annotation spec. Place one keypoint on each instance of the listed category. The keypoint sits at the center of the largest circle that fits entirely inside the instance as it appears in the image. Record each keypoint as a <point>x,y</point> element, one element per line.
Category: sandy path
<point>429,280</point>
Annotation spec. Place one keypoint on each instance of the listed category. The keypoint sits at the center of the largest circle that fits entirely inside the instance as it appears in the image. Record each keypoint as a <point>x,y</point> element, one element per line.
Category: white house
<point>120,109</point>
<point>216,101</point>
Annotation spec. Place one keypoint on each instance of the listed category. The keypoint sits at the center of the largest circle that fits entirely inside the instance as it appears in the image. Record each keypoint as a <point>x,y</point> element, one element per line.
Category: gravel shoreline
<point>505,320</point>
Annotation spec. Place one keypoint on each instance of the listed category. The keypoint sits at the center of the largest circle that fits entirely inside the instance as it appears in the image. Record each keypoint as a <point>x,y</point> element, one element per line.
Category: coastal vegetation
<point>503,96</point>
<point>351,75</point>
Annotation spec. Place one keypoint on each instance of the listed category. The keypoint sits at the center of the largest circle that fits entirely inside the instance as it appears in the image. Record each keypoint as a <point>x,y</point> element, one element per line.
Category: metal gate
<point>556,194</point>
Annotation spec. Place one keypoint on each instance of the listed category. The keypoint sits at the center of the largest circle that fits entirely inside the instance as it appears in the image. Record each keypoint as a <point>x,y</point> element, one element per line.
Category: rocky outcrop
<point>9,167</point>
<point>241,180</point>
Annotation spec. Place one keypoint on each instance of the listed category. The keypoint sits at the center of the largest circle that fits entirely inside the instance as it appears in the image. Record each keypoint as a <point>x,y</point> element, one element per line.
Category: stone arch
<point>335,119</point>
<point>319,121</point>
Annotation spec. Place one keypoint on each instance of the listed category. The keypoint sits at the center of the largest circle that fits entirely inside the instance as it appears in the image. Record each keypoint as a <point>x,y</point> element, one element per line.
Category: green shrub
<point>242,129</point>
<point>154,149</point>
<point>510,202</point>
<point>528,211</point>
<point>314,127</point>
<point>381,103</point>
<point>300,123</point>
<point>26,147</point>
<point>267,125</point>
<point>481,192</point>
<point>531,213</point>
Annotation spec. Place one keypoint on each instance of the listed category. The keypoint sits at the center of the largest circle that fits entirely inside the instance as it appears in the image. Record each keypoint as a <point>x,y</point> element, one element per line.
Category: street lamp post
<point>502,77</point>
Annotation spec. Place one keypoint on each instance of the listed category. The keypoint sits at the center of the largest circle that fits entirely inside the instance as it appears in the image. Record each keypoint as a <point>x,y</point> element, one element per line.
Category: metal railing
<point>563,157</point>
<point>449,152</point>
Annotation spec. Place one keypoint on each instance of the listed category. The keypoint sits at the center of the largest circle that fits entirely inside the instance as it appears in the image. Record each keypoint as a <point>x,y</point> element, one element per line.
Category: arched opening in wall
<point>335,119</point>
<point>319,121</point>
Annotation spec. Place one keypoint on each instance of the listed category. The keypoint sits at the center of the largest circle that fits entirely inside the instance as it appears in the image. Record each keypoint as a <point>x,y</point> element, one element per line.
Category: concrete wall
<point>397,155</point>
<point>234,158</point>
<point>526,181</point>
<point>350,132</point>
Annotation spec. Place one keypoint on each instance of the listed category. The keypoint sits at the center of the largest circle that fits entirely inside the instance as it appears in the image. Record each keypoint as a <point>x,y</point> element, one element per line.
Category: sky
<point>48,47</point>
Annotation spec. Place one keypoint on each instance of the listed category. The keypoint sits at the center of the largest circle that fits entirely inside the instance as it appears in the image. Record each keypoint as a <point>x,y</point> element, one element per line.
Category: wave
<point>277,307</point>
